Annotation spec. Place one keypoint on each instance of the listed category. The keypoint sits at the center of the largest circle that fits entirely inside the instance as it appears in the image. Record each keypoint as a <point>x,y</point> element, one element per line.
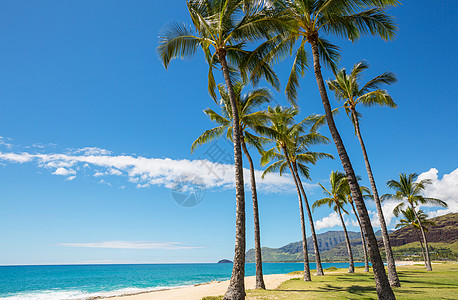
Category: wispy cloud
<point>139,245</point>
<point>3,142</point>
<point>145,172</point>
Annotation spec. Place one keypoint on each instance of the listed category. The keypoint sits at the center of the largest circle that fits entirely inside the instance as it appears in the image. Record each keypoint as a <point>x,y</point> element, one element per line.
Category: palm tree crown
<point>347,89</point>
<point>409,190</point>
<point>336,200</point>
<point>221,28</point>
<point>312,20</point>
<point>249,112</point>
<point>409,219</point>
<point>337,195</point>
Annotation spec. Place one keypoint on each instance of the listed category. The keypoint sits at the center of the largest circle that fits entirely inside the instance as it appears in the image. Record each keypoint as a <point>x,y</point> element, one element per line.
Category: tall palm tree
<point>249,116</point>
<point>410,220</point>
<point>336,200</point>
<point>347,88</point>
<point>300,156</point>
<point>409,192</point>
<point>311,21</point>
<point>366,194</point>
<point>281,128</point>
<point>221,28</point>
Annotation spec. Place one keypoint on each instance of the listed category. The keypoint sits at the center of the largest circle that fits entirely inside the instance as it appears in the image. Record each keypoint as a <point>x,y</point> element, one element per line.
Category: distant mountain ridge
<point>445,231</point>
<point>293,251</point>
<point>333,247</point>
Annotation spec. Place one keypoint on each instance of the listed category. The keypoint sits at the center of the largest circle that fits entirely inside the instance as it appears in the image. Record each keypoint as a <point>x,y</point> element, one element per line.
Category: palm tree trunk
<point>257,231</point>
<point>351,269</point>
<point>382,285</point>
<point>366,260</point>
<point>307,276</point>
<point>319,268</point>
<point>428,260</point>
<point>236,289</point>
<point>422,247</point>
<point>392,274</point>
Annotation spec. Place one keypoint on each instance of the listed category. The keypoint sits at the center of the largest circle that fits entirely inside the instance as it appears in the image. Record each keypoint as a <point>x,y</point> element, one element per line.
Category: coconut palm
<point>311,21</point>
<point>300,156</point>
<point>222,28</point>
<point>280,129</point>
<point>409,192</point>
<point>336,200</point>
<point>410,220</point>
<point>347,89</point>
<point>366,195</point>
<point>249,115</point>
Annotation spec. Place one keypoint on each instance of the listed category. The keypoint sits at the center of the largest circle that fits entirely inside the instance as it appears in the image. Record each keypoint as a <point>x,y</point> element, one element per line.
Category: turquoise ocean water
<point>84,281</point>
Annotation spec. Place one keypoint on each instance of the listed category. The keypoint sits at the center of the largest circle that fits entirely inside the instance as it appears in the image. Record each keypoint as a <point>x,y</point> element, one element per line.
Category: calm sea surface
<point>83,281</point>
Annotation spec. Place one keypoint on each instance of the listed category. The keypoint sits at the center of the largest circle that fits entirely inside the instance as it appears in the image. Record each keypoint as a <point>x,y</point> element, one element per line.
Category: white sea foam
<point>74,295</point>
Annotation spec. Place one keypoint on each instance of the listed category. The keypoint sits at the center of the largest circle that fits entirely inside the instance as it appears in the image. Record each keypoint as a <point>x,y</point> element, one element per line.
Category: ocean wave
<point>80,295</point>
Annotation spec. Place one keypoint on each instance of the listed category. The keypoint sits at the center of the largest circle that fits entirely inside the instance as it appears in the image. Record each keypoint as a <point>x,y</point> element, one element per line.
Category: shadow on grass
<point>354,289</point>
<point>428,283</point>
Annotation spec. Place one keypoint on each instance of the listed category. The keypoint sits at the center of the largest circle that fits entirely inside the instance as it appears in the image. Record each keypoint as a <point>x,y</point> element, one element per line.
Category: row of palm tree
<point>224,28</point>
<point>409,191</point>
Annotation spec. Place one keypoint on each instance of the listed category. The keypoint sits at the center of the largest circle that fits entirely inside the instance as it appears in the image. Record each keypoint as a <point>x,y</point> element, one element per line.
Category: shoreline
<point>198,291</point>
<point>213,288</point>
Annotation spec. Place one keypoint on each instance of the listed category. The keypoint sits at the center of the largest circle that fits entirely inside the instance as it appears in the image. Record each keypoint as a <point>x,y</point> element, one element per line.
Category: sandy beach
<point>208,289</point>
<point>199,291</point>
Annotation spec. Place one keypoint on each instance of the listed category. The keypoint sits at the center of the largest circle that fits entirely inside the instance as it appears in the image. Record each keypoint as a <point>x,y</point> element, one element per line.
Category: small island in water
<point>225,261</point>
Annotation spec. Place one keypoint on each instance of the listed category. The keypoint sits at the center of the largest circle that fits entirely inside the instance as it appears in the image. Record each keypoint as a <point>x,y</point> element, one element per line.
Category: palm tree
<point>311,20</point>
<point>411,221</point>
<point>336,200</point>
<point>347,89</point>
<point>366,194</point>
<point>281,128</point>
<point>409,191</point>
<point>221,28</point>
<point>299,156</point>
<point>250,116</point>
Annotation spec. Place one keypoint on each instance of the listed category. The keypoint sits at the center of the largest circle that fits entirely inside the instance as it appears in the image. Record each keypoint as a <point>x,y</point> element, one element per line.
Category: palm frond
<point>298,70</point>
<point>177,41</point>
<point>208,136</point>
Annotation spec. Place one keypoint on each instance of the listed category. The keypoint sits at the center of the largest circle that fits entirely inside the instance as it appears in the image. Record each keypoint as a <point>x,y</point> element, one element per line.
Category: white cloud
<point>333,220</point>
<point>16,158</point>
<point>131,245</point>
<point>145,172</point>
<point>64,172</point>
<point>328,222</point>
<point>387,208</point>
<point>445,189</point>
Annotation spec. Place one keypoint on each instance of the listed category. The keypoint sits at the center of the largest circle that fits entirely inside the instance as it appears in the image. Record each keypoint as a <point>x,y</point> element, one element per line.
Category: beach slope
<point>197,292</point>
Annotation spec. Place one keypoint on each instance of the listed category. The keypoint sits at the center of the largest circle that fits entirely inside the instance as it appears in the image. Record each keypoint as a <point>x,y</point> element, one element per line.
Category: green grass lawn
<point>441,283</point>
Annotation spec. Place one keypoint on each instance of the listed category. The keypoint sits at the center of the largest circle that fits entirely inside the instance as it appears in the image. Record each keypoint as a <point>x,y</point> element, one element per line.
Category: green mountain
<point>445,231</point>
<point>443,239</point>
<point>293,251</point>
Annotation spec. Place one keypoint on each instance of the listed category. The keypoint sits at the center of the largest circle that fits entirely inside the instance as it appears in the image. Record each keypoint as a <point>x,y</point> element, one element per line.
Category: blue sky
<point>90,117</point>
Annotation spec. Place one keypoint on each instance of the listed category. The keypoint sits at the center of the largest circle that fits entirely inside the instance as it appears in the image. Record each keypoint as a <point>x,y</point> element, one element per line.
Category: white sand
<point>197,292</point>
<point>209,289</point>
